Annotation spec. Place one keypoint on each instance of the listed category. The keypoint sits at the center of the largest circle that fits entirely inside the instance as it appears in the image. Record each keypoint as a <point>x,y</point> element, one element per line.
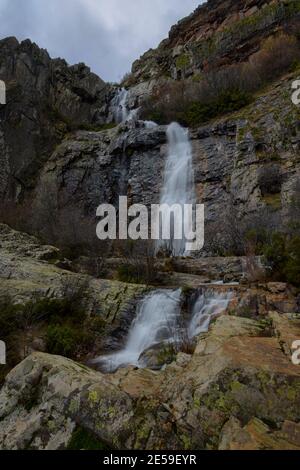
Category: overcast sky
<point>108,35</point>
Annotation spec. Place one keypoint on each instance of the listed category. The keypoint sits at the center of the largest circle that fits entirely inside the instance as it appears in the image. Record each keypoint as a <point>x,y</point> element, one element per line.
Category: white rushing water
<point>159,322</point>
<point>120,108</point>
<point>178,186</point>
<point>150,124</point>
<point>156,322</point>
<point>207,306</point>
<point>121,112</point>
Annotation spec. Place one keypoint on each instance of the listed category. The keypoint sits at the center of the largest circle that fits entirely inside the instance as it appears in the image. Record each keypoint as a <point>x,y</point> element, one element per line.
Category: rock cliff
<point>246,167</point>
<point>217,34</point>
<point>45,99</point>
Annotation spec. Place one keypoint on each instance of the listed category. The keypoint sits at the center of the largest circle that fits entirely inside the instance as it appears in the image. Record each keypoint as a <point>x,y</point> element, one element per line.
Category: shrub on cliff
<point>67,340</point>
<point>226,102</point>
<point>282,255</point>
<point>61,340</point>
<point>62,322</point>
<point>192,106</point>
<point>138,262</point>
<point>193,102</point>
<point>276,56</point>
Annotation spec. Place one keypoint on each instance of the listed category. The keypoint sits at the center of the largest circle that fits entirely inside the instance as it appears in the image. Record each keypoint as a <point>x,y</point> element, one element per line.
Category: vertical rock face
<point>5,167</point>
<point>218,33</point>
<point>94,168</point>
<point>246,167</point>
<point>45,99</point>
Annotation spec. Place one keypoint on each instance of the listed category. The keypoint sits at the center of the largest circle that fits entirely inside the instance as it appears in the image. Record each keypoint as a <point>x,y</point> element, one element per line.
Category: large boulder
<point>239,390</point>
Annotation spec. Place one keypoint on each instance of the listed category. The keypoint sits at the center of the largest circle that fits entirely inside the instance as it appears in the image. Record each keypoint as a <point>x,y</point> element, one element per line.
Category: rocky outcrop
<point>217,34</point>
<point>45,99</point>
<point>30,271</point>
<point>246,168</point>
<point>93,168</point>
<point>238,391</point>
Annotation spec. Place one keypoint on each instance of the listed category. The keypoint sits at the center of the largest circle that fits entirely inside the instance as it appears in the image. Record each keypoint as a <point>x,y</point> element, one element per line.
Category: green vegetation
<point>270,156</point>
<point>62,340</point>
<point>59,323</point>
<point>226,102</point>
<point>196,112</point>
<point>138,264</point>
<point>65,125</point>
<point>273,201</point>
<point>166,355</point>
<point>257,21</point>
<point>137,273</point>
<point>282,255</point>
<point>230,37</point>
<point>84,440</point>
<point>182,61</point>
<point>221,91</point>
<point>65,334</point>
<point>128,273</point>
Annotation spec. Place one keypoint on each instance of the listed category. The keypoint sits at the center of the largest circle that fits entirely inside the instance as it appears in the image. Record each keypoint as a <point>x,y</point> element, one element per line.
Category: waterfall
<point>121,112</point>
<point>208,305</point>
<point>150,124</point>
<point>159,322</point>
<point>178,186</point>
<point>119,106</point>
<point>156,322</point>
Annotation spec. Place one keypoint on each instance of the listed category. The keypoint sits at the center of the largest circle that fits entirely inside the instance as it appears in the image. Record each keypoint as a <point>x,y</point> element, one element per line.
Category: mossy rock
<point>84,440</point>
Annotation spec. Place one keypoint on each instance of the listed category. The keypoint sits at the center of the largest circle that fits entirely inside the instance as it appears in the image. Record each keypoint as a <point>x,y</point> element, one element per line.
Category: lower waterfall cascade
<point>207,306</point>
<point>157,316</point>
<point>158,322</point>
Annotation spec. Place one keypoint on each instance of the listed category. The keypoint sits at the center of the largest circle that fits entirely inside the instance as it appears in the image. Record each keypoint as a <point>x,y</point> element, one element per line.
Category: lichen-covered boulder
<point>239,390</point>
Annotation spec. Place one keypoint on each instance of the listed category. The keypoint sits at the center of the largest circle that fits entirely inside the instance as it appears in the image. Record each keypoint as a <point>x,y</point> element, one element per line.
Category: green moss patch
<point>84,440</point>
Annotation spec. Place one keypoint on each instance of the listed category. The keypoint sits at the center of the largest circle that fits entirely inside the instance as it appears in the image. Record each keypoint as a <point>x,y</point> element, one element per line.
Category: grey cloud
<point>108,35</point>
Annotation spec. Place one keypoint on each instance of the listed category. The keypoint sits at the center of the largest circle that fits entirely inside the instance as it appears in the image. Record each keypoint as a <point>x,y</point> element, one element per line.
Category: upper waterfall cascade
<point>121,110</point>
<point>178,185</point>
